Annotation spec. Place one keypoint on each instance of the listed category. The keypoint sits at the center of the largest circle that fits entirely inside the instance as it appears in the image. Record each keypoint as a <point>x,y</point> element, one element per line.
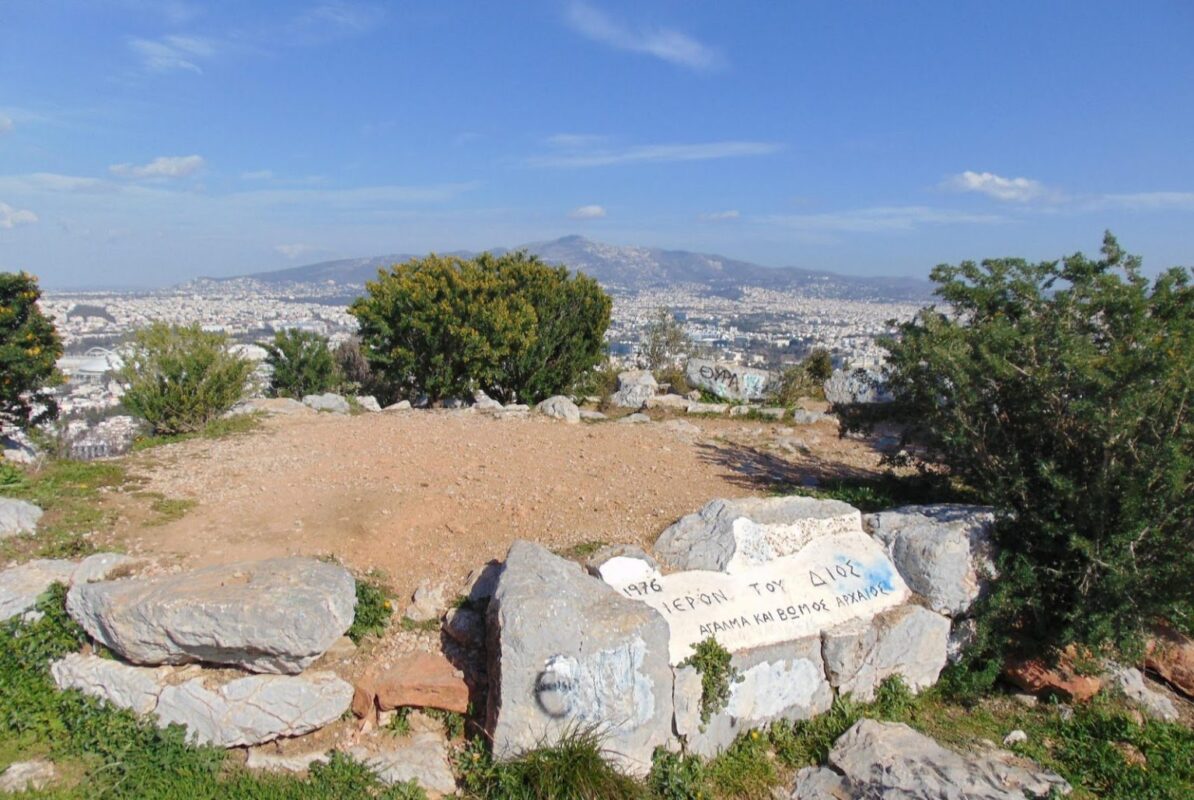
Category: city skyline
<point>145,144</point>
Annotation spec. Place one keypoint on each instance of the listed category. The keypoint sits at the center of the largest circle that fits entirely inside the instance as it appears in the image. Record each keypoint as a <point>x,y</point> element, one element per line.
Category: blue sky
<point>144,143</point>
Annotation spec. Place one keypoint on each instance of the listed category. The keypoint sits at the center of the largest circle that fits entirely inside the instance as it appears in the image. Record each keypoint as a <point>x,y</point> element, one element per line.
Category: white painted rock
<point>780,682</point>
<point>20,586</point>
<point>422,758</point>
<point>944,552</point>
<point>730,535</point>
<point>277,615</point>
<point>559,407</point>
<point>17,517</point>
<point>26,776</point>
<point>327,402</point>
<point>727,380</point>
<point>634,388</point>
<point>832,579</point>
<point>567,651</point>
<point>116,683</point>
<point>892,761</point>
<point>908,641</point>
<point>256,709</point>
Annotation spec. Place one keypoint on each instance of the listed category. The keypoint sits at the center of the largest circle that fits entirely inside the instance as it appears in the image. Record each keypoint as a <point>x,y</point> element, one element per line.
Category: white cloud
<point>668,45</point>
<point>648,153</point>
<point>1017,190</point>
<point>293,251</point>
<point>587,212</point>
<point>160,167</point>
<point>879,219</point>
<point>720,216</point>
<point>11,217</point>
<point>6,124</point>
<point>171,53</point>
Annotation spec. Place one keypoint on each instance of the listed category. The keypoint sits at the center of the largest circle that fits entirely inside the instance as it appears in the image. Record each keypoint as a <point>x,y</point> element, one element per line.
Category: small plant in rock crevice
<point>713,662</point>
<point>372,613</point>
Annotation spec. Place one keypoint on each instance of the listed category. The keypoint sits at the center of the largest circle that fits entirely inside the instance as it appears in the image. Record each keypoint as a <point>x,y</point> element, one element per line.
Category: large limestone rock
<point>784,681</point>
<point>559,407</point>
<point>944,551</point>
<point>17,517</point>
<point>634,388</point>
<point>727,380</point>
<point>256,709</point>
<point>728,535</point>
<point>422,758</point>
<point>28,776</point>
<point>856,386</point>
<point>567,650</point>
<point>117,683</point>
<point>277,615</point>
<point>892,761</point>
<point>21,586</point>
<point>1130,681</point>
<point>908,641</point>
<point>329,402</point>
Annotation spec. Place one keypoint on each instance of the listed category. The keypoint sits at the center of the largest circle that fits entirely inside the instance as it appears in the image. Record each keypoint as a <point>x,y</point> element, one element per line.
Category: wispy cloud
<point>173,53</point>
<point>1015,190</point>
<point>587,212</point>
<point>648,153</point>
<point>6,124</point>
<point>880,219</point>
<point>665,44</point>
<point>719,216</point>
<point>328,21</point>
<point>11,217</point>
<point>160,167</point>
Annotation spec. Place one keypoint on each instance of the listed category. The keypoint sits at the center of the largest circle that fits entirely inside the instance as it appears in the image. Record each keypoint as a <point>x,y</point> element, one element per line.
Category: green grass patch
<point>373,611</point>
<point>581,550</point>
<point>420,626</point>
<point>236,425</point>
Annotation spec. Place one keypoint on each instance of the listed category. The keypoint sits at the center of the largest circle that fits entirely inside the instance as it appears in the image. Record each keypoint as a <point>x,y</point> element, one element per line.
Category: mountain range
<point>621,268</point>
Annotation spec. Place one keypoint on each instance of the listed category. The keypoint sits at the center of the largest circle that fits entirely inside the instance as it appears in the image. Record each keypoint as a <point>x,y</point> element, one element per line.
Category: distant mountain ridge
<point>633,269</point>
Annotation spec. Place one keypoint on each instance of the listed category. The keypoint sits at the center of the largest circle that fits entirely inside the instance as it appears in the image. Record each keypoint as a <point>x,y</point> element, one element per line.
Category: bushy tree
<point>179,378</point>
<point>664,340</point>
<point>818,365</point>
<point>802,380</point>
<point>302,364</point>
<point>511,326</point>
<point>29,348</point>
<point>1061,393</point>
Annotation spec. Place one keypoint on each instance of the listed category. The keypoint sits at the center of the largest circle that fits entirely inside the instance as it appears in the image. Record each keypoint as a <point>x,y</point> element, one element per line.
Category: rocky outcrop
<point>727,380</point>
<point>567,651</point>
<point>277,615</point>
<point>944,552</point>
<point>890,760</point>
<point>634,388</point>
<point>559,407</point>
<point>17,517</point>
<point>908,641</point>
<point>332,403</point>
<point>726,534</point>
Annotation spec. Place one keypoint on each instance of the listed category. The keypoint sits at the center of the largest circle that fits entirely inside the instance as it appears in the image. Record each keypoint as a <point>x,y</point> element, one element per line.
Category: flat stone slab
<point>908,641</point>
<point>22,585</point>
<point>833,578</point>
<point>17,517</point>
<point>422,758</point>
<point>277,615</point>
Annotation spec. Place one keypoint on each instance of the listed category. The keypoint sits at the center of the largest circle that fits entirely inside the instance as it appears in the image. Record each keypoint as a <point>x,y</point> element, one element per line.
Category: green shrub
<point>677,776</point>
<point>802,380</point>
<point>372,612</point>
<point>674,377</point>
<point>744,769</point>
<point>29,348</point>
<point>713,662</point>
<point>302,364</point>
<point>600,382</point>
<point>818,365</point>
<point>511,326</point>
<point>1060,392</point>
<point>180,378</point>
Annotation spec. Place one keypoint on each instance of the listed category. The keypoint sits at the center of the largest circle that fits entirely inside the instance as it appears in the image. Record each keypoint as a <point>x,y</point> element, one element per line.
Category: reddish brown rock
<point>1036,676</point>
<point>420,680</point>
<point>1170,654</point>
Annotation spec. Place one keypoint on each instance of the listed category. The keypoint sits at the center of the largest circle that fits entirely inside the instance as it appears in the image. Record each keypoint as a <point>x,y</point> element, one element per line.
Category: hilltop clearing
<point>429,494</point>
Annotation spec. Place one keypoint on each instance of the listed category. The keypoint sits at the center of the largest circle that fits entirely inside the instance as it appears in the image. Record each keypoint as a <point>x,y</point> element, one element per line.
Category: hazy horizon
<point>145,144</point>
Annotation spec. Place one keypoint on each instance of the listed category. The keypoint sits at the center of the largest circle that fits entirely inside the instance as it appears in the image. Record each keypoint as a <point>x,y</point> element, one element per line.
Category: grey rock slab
<point>802,417</point>
<point>672,401</point>
<point>589,415</point>
<point>892,761</point>
<point>262,759</point>
<point>708,408</point>
<point>559,407</point>
<point>117,683</point>
<point>401,405</point>
<point>427,602</point>
<point>821,783</point>
<point>635,387</point>
<point>368,402</point>
<point>778,682</point>
<point>634,419</point>
<point>714,539</point>
<point>26,776</point>
<point>22,585</point>
<point>567,650</point>
<point>1130,681</point>
<point>944,552</point>
<point>277,615</point>
<point>727,380</point>
<point>256,709</point>
<point>100,566</point>
<point>962,634</point>
<point>856,386</point>
<point>908,641</point>
<point>17,517</point>
<point>422,758</point>
<point>327,402</point>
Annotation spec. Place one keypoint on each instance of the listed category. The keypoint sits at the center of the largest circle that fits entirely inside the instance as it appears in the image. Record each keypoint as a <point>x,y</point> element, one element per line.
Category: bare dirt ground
<point>433,494</point>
